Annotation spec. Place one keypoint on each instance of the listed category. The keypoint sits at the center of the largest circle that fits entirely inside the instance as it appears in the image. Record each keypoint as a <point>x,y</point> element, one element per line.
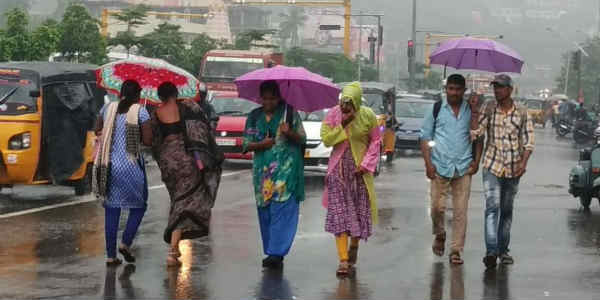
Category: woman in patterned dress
<point>276,135</point>
<point>352,131</point>
<point>190,164</point>
<point>120,176</point>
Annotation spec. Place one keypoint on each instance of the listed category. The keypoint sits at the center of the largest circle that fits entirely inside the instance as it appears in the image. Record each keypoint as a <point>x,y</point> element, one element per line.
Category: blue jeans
<point>499,198</point>
<point>111,227</point>
<point>278,224</point>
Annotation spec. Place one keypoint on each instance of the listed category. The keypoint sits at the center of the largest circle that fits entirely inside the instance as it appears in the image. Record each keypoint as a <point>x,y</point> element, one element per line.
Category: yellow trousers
<point>341,242</point>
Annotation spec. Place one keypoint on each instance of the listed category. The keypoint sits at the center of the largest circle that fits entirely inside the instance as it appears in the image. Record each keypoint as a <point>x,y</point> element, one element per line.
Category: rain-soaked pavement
<point>59,253</point>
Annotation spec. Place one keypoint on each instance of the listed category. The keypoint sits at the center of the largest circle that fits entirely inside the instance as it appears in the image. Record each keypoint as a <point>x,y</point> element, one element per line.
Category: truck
<point>220,67</point>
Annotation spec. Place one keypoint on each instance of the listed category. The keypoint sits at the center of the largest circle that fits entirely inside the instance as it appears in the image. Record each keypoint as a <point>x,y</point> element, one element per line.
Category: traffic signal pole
<point>411,58</point>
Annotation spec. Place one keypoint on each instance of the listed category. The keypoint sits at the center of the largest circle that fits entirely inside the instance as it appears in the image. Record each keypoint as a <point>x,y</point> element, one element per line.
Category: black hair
<point>456,79</point>
<point>167,90</point>
<point>270,86</point>
<point>130,94</point>
<point>130,91</point>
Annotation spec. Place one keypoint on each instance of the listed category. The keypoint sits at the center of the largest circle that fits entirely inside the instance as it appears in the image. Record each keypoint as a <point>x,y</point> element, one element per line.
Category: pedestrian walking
<point>349,196</point>
<point>450,162</point>
<point>509,134</point>
<point>186,152</point>
<point>119,168</point>
<point>275,133</point>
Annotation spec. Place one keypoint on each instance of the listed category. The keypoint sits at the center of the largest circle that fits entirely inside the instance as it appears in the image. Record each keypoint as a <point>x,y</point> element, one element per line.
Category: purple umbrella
<point>477,54</point>
<point>303,90</point>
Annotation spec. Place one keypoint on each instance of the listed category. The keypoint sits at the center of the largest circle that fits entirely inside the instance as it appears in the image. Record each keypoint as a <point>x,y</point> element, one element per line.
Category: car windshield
<point>14,95</point>
<point>317,116</point>
<point>534,104</point>
<point>375,102</point>
<point>407,109</point>
<point>225,106</point>
<point>229,68</point>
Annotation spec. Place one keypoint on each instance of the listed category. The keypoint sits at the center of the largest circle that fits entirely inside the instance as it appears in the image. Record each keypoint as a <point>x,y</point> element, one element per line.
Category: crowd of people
<point>457,137</point>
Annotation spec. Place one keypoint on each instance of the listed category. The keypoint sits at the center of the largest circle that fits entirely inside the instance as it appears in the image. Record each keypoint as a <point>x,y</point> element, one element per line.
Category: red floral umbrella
<point>150,74</point>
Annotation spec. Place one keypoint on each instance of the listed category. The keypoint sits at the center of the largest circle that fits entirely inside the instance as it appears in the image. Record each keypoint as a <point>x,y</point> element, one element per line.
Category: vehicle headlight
<point>431,144</point>
<point>20,142</point>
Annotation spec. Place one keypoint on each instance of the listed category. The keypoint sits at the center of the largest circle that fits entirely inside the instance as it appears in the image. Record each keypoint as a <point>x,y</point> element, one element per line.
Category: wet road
<point>59,253</point>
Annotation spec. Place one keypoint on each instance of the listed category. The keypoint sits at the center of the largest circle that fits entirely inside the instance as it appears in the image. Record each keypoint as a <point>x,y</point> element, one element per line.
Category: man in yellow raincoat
<point>352,130</point>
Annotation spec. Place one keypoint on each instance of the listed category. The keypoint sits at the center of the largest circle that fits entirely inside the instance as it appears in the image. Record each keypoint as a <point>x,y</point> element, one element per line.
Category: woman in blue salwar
<point>275,134</point>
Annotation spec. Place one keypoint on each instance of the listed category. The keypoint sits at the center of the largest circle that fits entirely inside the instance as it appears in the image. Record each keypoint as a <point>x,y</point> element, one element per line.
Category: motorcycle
<point>564,127</point>
<point>584,178</point>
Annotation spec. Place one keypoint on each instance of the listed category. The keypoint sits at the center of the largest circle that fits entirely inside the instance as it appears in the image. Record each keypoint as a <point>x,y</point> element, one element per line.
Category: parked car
<point>316,153</point>
<point>410,112</point>
<point>232,112</point>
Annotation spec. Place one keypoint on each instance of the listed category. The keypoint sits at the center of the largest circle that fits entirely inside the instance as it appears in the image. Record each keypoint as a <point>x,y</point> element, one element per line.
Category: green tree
<point>81,39</point>
<point>200,45</point>
<point>7,5</point>
<point>253,38</point>
<point>165,42</point>
<point>590,73</point>
<point>6,47</point>
<point>133,17</point>
<point>334,66</point>
<point>17,21</point>
<point>294,19</point>
<point>45,40</point>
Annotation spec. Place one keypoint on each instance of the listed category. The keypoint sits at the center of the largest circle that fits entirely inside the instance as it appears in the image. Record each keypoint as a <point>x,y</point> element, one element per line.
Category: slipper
<point>127,255</point>
<point>115,262</point>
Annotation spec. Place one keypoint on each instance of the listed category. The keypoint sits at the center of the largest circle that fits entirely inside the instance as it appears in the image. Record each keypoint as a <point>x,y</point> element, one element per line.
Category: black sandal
<point>115,262</point>
<point>127,255</point>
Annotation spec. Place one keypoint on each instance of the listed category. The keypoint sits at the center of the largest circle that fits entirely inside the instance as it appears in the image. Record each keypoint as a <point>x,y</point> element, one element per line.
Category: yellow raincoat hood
<point>353,91</point>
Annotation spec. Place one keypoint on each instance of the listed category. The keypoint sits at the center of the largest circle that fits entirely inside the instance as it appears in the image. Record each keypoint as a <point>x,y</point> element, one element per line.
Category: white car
<point>316,154</point>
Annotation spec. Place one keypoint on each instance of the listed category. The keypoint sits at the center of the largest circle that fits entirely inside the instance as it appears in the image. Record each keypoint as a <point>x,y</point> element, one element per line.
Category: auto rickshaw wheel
<point>585,199</point>
<point>389,157</point>
<point>84,185</point>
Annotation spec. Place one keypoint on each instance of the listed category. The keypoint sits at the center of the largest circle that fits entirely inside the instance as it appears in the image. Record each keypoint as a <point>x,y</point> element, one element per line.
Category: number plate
<point>307,154</point>
<point>225,142</point>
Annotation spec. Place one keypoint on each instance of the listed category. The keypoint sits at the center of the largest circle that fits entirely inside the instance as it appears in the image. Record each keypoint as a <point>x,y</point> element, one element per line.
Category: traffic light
<point>576,60</point>
<point>411,48</point>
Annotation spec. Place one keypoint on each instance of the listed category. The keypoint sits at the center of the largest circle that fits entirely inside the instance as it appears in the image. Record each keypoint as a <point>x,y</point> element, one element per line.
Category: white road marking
<point>162,186</point>
<point>48,207</point>
<point>88,199</point>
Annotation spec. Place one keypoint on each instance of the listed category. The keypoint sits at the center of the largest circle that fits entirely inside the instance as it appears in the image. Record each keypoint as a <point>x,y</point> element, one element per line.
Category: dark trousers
<point>111,227</point>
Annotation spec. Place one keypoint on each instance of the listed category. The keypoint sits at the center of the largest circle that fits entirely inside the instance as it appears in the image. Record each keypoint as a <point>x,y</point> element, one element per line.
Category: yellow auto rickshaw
<point>381,97</point>
<point>536,111</point>
<point>47,115</point>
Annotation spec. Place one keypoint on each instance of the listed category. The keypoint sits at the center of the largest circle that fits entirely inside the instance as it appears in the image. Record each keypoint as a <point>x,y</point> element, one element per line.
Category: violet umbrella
<point>477,54</point>
<point>300,88</point>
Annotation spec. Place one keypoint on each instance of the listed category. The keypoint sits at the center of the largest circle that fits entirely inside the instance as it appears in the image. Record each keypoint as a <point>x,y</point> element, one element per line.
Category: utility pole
<point>567,75</point>
<point>379,43</point>
<point>360,46</point>
<point>411,59</point>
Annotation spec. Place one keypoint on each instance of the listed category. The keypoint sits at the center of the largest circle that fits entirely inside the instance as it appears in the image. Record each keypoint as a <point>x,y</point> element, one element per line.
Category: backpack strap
<point>436,111</point>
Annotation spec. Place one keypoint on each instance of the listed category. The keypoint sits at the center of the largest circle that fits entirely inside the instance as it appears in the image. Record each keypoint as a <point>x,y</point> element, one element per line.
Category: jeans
<point>499,198</point>
<point>111,227</point>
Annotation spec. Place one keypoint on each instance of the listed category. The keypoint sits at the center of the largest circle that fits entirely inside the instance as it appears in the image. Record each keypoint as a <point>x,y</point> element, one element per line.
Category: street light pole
<point>411,59</point>
<point>567,75</point>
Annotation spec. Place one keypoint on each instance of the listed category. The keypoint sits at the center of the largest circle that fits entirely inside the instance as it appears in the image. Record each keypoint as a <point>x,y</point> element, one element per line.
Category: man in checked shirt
<point>509,143</point>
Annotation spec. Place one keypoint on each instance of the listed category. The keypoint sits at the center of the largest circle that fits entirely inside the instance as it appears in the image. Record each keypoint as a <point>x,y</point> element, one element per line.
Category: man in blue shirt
<point>450,163</point>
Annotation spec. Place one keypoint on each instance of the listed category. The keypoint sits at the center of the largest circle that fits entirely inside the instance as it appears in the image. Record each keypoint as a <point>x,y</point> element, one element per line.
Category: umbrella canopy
<point>477,54</point>
<point>150,74</point>
<point>303,90</point>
